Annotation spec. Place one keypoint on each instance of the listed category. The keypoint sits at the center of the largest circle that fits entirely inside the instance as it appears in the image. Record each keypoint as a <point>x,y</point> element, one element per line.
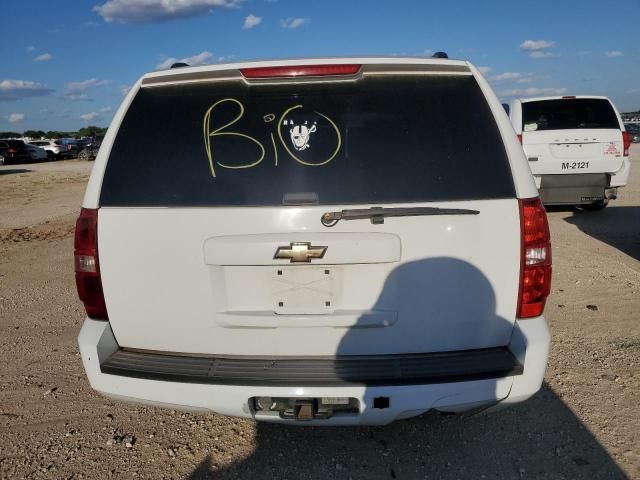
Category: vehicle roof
<point>308,61</point>
<point>561,97</point>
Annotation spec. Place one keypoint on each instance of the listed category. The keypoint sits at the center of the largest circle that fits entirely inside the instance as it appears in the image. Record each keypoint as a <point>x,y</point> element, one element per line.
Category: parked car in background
<point>70,146</point>
<point>4,146</point>
<point>53,148</point>
<point>91,150</point>
<point>634,131</point>
<point>14,151</point>
<point>283,274</point>
<point>36,153</point>
<point>577,147</point>
<point>82,144</point>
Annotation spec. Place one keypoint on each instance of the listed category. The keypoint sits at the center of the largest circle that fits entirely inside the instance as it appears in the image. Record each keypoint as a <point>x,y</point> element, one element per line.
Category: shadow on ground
<point>11,171</point>
<point>615,226</point>
<point>540,438</point>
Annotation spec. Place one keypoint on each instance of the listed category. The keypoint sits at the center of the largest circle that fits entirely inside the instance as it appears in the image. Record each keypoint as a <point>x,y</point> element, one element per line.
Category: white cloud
<point>614,53</point>
<point>75,91</point>
<point>515,77</point>
<point>15,89</point>
<point>293,22</point>
<point>75,97</point>
<point>16,117</point>
<point>540,54</point>
<point>43,58</point>
<point>154,11</point>
<point>484,70</point>
<point>125,90</point>
<point>201,58</point>
<point>533,45</point>
<point>532,92</point>
<point>538,48</point>
<point>225,58</point>
<point>251,21</point>
<point>87,117</point>
<point>31,48</point>
<point>86,84</point>
<point>506,76</point>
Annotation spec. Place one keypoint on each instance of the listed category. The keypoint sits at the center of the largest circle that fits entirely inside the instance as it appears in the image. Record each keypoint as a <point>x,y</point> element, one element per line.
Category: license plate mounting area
<point>306,290</point>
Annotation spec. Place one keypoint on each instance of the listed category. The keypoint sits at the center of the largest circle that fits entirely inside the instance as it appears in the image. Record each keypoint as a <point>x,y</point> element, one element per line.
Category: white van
<point>337,241</point>
<point>577,148</point>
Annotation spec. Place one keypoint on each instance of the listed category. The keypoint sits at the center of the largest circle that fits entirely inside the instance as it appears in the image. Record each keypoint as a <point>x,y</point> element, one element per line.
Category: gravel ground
<point>585,422</point>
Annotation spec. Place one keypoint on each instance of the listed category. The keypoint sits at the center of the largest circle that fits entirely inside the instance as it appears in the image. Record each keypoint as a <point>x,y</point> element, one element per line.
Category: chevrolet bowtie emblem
<point>299,252</point>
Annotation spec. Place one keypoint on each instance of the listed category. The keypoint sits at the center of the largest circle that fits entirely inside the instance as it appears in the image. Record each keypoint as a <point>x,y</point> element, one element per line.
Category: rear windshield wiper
<point>378,214</point>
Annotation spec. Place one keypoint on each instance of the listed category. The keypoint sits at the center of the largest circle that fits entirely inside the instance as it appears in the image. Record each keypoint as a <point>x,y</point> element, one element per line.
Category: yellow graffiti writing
<point>208,134</point>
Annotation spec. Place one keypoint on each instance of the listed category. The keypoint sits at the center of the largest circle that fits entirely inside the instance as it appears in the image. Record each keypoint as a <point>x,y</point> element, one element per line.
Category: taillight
<point>535,262</point>
<point>87,266</point>
<point>300,71</point>
<point>626,143</point>
<point>520,138</point>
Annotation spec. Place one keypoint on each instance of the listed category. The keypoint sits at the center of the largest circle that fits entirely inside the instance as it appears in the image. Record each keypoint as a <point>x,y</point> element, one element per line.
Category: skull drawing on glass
<point>300,135</point>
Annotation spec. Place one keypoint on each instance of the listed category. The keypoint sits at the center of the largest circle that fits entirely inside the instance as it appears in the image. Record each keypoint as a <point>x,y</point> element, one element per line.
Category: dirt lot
<point>585,423</point>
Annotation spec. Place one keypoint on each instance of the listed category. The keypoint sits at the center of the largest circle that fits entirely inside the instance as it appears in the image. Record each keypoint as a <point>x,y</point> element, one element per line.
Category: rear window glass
<point>568,114</point>
<point>372,141</point>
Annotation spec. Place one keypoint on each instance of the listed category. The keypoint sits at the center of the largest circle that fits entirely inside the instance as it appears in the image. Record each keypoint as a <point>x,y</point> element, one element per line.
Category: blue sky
<point>66,64</point>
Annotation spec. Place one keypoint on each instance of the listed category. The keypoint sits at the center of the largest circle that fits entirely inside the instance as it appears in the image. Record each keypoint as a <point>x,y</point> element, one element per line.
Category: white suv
<point>577,148</point>
<point>53,148</point>
<point>337,241</point>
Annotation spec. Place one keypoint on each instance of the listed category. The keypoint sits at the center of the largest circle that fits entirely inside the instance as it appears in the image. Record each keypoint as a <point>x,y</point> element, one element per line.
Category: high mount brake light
<point>300,71</point>
<point>87,266</point>
<point>535,262</point>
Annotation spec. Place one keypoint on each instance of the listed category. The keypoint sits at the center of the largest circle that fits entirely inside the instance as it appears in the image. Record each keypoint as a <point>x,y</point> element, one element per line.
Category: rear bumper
<point>573,189</point>
<point>581,188</point>
<point>528,352</point>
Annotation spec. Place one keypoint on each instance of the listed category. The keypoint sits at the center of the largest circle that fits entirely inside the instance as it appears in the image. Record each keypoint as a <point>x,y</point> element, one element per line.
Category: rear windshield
<point>374,141</point>
<point>568,114</point>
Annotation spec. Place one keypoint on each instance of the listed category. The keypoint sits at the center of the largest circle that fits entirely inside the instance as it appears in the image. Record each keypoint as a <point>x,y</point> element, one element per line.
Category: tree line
<point>89,131</point>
